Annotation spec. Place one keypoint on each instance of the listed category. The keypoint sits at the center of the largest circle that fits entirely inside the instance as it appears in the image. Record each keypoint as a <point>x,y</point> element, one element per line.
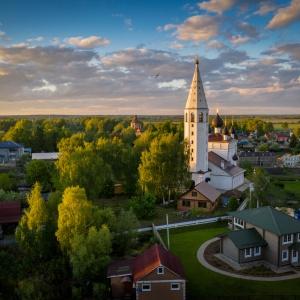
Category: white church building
<point>213,156</point>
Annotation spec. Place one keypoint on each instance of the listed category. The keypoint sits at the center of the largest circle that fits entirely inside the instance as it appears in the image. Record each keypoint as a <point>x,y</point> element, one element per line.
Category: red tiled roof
<point>10,212</point>
<point>153,258</point>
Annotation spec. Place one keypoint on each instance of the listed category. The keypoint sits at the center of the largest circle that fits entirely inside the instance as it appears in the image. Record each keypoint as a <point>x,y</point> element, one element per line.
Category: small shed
<point>10,212</point>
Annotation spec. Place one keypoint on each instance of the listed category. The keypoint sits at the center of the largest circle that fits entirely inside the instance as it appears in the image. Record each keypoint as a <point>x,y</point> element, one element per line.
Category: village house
<point>262,234</point>
<point>290,161</point>
<point>10,151</point>
<point>155,274</point>
<point>201,196</point>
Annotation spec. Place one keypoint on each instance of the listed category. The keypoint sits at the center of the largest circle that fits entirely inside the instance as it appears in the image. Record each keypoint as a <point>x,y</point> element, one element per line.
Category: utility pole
<point>168,233</point>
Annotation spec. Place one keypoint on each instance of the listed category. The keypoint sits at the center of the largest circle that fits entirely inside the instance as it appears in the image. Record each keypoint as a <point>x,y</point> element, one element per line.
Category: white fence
<point>185,224</point>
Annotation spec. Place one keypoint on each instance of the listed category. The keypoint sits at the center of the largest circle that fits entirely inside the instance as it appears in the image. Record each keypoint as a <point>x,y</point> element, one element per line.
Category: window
<point>192,117</point>
<point>201,117</point>
<point>186,203</point>
<point>186,117</point>
<point>160,270</point>
<point>192,142</point>
<point>192,150</point>
<point>192,158</point>
<point>295,253</point>
<point>285,255</point>
<point>175,286</point>
<point>194,194</point>
<point>248,252</point>
<point>202,204</point>
<point>146,287</point>
<point>192,132</point>
<point>287,239</point>
<point>257,251</point>
<point>192,125</point>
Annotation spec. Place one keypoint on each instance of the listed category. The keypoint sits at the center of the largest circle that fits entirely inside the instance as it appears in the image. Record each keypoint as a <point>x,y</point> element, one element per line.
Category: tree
<point>40,171</point>
<point>293,141</point>
<point>164,167</point>
<point>285,125</point>
<point>247,165</point>
<point>143,205</point>
<point>263,147</point>
<point>6,182</point>
<point>34,232</point>
<point>124,232</point>
<point>233,204</point>
<point>261,183</point>
<point>83,167</point>
<point>89,253</point>
<point>74,216</point>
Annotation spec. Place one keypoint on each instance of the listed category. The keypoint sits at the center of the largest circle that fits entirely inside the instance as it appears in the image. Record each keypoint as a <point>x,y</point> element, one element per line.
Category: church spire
<point>196,98</point>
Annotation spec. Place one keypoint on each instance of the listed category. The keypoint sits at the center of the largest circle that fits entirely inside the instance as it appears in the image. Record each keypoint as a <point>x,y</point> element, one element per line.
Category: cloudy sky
<point>136,57</point>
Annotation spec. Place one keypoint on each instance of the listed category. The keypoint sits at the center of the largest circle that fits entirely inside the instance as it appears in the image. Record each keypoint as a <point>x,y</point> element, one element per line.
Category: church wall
<point>221,182</point>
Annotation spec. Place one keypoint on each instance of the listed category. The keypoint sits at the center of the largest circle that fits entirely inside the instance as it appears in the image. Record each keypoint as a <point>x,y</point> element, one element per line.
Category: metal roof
<point>208,191</point>
<point>10,145</point>
<point>246,238</point>
<point>45,156</point>
<point>269,219</point>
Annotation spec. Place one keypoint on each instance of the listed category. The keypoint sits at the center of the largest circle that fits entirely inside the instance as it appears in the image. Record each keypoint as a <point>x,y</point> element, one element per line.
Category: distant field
<point>294,187</point>
<point>205,284</point>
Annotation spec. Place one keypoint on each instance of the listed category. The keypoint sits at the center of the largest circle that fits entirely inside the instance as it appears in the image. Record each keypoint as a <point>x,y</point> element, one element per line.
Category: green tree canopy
<point>164,167</point>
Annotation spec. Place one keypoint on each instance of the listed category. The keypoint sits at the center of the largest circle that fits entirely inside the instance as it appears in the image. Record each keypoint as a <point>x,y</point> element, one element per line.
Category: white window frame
<point>298,235</point>
<point>146,289</point>
<point>289,239</point>
<point>246,255</point>
<point>257,253</point>
<point>160,270</point>
<point>177,288</point>
<point>287,257</point>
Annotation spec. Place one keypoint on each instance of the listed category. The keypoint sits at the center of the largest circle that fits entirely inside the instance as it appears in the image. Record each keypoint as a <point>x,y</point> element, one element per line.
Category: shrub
<point>143,205</point>
<point>233,203</point>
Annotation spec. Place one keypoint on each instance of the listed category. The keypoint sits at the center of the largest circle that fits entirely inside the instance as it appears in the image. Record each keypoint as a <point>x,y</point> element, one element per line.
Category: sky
<point>137,57</point>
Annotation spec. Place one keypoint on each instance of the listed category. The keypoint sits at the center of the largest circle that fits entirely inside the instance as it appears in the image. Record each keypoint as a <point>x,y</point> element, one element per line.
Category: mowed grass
<point>294,187</point>
<point>205,284</point>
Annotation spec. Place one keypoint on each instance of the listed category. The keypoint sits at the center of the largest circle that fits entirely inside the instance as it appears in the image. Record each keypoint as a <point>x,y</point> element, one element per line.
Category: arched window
<point>192,117</point>
<point>186,117</point>
<point>201,117</point>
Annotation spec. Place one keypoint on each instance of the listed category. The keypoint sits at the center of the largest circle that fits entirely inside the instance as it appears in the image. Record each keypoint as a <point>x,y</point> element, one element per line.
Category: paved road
<point>202,260</point>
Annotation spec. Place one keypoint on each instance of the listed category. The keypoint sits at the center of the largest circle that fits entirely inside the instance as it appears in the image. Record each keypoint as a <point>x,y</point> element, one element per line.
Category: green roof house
<point>262,234</point>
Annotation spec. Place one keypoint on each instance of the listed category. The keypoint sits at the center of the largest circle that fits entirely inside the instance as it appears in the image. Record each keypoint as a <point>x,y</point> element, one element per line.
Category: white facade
<point>222,172</point>
<point>290,161</point>
<point>226,149</point>
<point>196,128</point>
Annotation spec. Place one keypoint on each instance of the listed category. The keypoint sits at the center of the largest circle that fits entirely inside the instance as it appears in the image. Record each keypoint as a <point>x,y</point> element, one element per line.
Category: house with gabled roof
<point>155,274</point>
<point>262,234</point>
<point>202,196</point>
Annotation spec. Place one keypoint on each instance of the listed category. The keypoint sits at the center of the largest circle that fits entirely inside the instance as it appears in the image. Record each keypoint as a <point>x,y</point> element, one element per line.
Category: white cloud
<point>47,86</point>
<point>215,44</point>
<point>176,45</point>
<point>286,15</point>
<point>238,39</point>
<point>217,6</point>
<point>196,28</point>
<point>36,39</point>
<point>265,8</point>
<point>173,85</point>
<point>88,42</point>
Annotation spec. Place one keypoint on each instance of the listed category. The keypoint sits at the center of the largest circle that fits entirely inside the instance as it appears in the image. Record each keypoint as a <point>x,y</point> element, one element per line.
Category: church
<point>212,155</point>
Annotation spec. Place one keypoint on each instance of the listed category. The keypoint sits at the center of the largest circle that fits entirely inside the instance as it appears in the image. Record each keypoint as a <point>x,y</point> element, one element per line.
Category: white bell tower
<point>196,128</point>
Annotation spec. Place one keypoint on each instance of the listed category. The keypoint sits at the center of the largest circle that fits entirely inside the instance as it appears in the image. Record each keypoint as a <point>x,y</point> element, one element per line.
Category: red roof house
<point>155,274</point>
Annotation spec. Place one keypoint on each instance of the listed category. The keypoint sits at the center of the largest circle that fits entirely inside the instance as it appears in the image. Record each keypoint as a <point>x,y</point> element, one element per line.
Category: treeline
<point>64,246</point>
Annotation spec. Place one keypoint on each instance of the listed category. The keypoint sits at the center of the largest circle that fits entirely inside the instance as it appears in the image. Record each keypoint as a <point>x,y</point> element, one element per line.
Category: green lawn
<point>294,187</point>
<point>205,284</point>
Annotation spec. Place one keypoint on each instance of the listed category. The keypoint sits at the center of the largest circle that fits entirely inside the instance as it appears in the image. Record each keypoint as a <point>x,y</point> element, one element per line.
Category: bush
<point>143,205</point>
<point>233,204</point>
<point>6,182</point>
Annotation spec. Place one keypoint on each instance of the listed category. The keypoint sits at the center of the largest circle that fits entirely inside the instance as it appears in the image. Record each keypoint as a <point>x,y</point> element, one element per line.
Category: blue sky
<point>101,57</point>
